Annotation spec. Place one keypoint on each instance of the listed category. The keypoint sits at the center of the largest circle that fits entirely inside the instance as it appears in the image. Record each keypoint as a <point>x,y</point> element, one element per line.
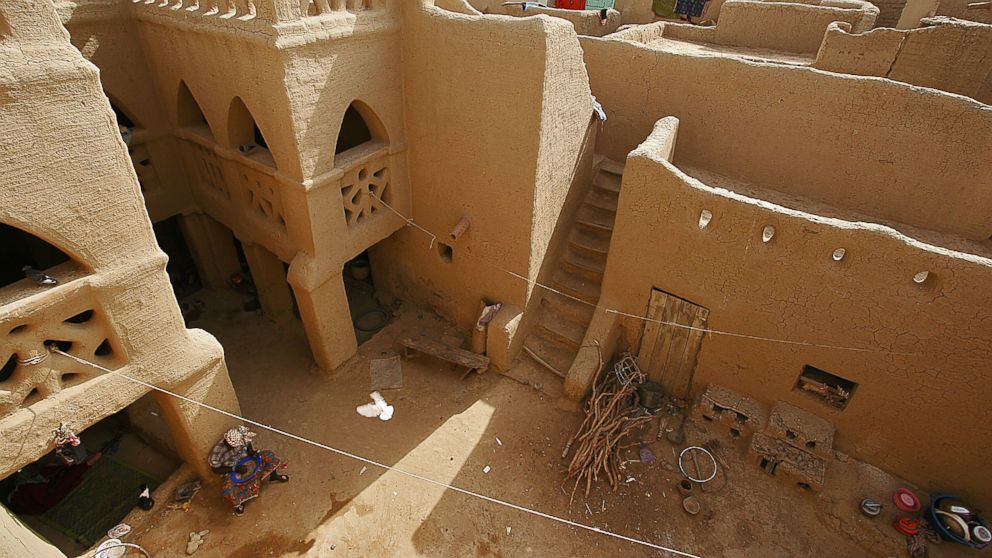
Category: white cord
<point>381,465</point>
<point>410,222</point>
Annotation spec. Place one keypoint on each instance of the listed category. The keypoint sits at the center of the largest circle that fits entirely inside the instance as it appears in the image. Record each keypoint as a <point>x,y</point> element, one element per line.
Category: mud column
<point>327,320</point>
<point>193,428</point>
<point>270,280</point>
<point>212,247</point>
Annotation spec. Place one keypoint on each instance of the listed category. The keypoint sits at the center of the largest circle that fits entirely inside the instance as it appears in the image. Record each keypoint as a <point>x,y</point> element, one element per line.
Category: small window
<point>826,387</point>
<point>445,252</point>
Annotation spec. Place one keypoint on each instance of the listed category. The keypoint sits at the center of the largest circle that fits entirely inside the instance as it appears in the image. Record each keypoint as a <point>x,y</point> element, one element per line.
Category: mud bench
<point>471,361</point>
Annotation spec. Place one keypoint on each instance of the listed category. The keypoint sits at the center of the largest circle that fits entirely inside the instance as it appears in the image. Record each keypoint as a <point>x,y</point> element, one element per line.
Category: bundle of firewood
<point>612,414</point>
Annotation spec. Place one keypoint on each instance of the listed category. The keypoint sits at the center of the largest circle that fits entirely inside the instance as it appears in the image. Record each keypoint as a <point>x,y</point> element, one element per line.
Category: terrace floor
<point>447,429</point>
<point>681,46</point>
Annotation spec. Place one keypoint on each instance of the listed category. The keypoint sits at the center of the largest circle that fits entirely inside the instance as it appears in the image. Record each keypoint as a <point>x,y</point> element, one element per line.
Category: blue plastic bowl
<point>939,527</point>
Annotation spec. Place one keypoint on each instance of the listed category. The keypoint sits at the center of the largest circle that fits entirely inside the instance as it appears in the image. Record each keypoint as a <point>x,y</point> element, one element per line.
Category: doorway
<point>182,271</point>
<point>368,313</point>
<point>668,352</point>
<point>72,502</point>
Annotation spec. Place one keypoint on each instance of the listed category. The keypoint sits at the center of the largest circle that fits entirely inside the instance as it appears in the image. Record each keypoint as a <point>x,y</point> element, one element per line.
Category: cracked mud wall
<point>786,27</point>
<point>906,413</point>
<point>877,147</point>
<point>67,179</point>
<point>106,36</point>
<point>496,111</point>
<point>953,56</point>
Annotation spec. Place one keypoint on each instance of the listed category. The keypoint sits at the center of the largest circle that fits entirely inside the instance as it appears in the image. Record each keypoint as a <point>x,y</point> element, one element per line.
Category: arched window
<point>22,249</point>
<point>189,113</point>
<point>359,125</point>
<point>243,132</point>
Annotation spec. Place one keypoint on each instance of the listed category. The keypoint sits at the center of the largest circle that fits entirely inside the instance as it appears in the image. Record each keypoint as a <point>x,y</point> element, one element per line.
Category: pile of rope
<point>612,414</point>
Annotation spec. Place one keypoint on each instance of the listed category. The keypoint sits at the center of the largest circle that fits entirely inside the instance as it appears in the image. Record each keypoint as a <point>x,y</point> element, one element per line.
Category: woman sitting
<point>242,467</point>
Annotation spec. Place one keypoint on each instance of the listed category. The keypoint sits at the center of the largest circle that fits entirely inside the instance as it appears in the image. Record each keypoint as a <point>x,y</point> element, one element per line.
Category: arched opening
<point>243,132</point>
<point>359,126</point>
<point>22,249</point>
<point>131,130</point>
<point>189,113</point>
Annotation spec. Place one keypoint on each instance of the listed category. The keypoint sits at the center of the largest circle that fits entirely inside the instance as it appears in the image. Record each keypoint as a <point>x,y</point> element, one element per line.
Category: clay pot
<point>685,487</point>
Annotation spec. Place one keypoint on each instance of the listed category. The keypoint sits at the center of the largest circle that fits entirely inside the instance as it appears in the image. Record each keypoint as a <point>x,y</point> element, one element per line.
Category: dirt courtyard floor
<point>450,430</point>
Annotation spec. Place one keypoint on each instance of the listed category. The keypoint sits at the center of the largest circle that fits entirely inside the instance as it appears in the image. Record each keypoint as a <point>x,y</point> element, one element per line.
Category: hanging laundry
<point>68,447</point>
<point>690,8</point>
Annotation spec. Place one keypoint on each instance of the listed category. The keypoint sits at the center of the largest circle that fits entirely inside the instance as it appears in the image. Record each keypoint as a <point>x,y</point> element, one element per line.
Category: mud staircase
<point>562,320</point>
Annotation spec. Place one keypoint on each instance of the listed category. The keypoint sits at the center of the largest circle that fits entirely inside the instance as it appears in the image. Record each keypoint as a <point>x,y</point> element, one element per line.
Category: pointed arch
<point>21,248</point>
<point>188,111</point>
<point>359,125</point>
<point>243,132</point>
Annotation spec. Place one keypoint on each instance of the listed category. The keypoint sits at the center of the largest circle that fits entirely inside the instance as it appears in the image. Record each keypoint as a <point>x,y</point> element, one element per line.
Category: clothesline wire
<point>375,463</point>
<point>411,222</point>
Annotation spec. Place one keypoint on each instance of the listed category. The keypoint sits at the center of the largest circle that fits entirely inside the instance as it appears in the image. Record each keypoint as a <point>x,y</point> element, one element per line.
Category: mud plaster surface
<point>682,46</point>
<point>447,429</point>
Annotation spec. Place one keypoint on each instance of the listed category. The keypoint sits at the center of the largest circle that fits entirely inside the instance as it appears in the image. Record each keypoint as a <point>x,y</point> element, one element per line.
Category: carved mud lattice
<point>210,172</point>
<point>372,178</point>
<point>264,199</point>
<point>321,7</point>
<point>224,9</point>
<point>30,373</point>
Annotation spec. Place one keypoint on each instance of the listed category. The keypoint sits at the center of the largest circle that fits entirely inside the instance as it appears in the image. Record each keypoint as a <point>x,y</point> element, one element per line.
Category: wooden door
<point>668,353</point>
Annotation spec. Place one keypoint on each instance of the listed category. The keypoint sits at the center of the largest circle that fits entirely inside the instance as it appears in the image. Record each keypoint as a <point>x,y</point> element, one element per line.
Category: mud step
<point>553,357</point>
<point>577,287</point>
<point>611,166</point>
<point>568,309</point>
<point>581,265</point>
<point>601,199</point>
<point>596,219</point>
<point>591,244</point>
<point>607,183</point>
<point>560,330</point>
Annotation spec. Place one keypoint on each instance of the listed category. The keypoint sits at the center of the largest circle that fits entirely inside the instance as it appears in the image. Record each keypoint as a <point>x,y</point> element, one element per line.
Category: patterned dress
<point>239,488</point>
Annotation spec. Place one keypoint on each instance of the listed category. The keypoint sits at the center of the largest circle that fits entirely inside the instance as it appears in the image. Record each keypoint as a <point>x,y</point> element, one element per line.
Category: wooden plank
<point>460,357</point>
<point>666,341</point>
<point>668,353</point>
<point>645,356</point>
<point>678,336</point>
<point>682,385</point>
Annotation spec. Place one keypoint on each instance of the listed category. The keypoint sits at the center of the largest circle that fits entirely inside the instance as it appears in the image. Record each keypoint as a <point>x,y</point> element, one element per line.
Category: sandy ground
<point>447,430</point>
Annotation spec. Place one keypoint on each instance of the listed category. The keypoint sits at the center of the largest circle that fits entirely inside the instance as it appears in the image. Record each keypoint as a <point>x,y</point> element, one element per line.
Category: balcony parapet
<point>285,22</point>
<point>70,316</point>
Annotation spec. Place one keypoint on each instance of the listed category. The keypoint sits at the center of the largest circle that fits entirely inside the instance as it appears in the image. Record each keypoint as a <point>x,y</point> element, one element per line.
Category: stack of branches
<point>612,414</point>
